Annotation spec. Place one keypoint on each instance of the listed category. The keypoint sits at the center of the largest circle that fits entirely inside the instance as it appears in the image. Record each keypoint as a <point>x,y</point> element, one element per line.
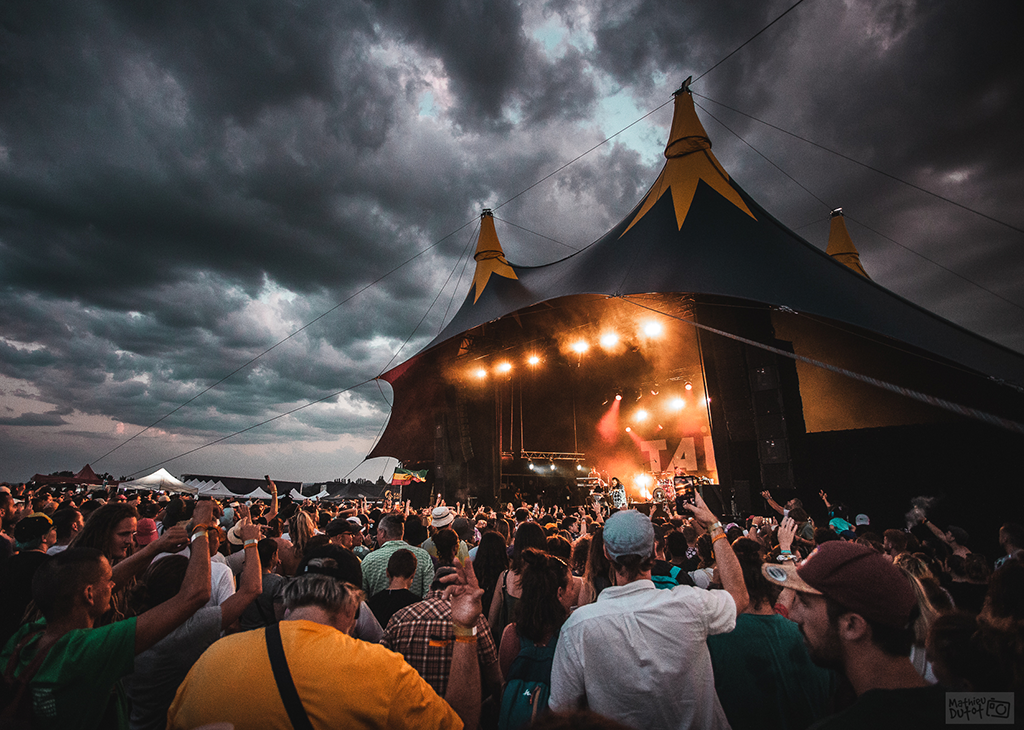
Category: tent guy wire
<point>255,425</point>
<point>867,166</point>
<point>848,217</point>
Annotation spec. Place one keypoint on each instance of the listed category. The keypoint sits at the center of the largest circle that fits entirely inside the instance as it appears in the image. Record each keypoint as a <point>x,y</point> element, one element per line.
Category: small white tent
<point>160,480</point>
<point>218,490</point>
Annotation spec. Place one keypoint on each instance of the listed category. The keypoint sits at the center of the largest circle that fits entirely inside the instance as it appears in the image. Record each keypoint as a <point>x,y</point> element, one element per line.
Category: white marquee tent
<point>160,480</point>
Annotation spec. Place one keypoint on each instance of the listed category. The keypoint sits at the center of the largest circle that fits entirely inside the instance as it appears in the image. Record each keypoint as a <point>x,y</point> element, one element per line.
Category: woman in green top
<point>763,674</point>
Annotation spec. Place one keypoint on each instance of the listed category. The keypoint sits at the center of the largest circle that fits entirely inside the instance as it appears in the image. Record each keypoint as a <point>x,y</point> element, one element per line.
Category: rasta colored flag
<point>402,477</point>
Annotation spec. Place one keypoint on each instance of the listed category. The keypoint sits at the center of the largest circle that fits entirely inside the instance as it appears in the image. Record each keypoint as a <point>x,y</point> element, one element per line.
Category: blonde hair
<point>928,612</point>
<point>300,530</point>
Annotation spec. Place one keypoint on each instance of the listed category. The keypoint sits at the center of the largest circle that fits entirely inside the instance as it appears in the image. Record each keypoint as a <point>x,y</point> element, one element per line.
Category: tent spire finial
<point>690,161</point>
<point>840,245</point>
<point>687,134</point>
<point>489,256</point>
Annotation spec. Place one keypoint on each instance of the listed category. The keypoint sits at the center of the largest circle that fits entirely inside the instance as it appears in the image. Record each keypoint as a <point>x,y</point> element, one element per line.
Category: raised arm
<point>772,503</point>
<point>161,620</point>
<point>250,585</point>
<point>464,680</point>
<point>729,569</point>
<point>787,531</point>
<point>173,540</point>
<point>273,498</point>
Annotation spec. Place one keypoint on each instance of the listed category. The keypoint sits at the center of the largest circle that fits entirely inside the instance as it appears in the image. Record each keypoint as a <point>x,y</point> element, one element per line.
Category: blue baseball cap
<point>628,532</point>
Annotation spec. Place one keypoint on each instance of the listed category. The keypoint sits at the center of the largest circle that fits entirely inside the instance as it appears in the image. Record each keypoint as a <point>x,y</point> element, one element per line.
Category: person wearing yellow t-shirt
<point>342,682</point>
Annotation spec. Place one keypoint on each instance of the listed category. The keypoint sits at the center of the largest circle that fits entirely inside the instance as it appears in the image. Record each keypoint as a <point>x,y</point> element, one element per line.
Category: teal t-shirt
<point>77,686</point>
<point>764,676</point>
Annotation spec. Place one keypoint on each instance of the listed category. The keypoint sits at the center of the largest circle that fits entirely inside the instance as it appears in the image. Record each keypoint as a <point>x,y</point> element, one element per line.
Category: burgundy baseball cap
<point>145,532</point>
<point>855,576</point>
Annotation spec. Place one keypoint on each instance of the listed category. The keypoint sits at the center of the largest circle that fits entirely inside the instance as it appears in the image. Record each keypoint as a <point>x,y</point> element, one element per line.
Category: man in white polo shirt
<point>639,655</point>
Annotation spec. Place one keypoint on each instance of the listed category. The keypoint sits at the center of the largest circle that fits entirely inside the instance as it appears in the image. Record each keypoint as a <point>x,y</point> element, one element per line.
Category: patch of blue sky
<point>272,292</point>
<point>427,106</point>
<point>555,37</point>
<point>618,110</point>
<point>551,35</point>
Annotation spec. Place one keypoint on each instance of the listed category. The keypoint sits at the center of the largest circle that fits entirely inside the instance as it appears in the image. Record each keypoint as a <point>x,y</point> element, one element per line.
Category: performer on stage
<point>618,494</point>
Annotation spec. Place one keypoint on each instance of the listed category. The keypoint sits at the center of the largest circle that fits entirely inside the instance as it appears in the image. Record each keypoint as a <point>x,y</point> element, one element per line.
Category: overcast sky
<point>182,185</point>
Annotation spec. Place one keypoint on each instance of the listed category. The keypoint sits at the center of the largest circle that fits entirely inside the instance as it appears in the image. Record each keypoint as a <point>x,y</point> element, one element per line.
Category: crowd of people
<point>148,610</point>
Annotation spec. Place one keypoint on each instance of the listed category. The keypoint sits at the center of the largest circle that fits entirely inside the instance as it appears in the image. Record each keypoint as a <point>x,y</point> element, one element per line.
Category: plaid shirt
<point>422,633</point>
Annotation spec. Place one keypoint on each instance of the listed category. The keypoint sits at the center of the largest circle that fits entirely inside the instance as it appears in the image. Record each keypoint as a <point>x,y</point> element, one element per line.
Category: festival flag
<point>404,477</point>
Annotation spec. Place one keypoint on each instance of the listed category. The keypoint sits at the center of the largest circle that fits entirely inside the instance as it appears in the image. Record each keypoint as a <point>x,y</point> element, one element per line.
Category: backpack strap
<point>37,660</point>
<point>283,677</point>
<point>16,708</point>
<point>12,663</point>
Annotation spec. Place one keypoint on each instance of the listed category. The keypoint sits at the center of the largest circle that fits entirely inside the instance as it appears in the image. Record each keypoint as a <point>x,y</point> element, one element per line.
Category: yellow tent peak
<point>689,160</point>
<point>840,245</point>
<point>687,134</point>
<point>489,256</point>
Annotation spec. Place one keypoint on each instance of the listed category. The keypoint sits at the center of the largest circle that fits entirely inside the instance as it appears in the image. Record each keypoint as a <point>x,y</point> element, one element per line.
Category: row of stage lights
<point>551,466</point>
<point>608,341</point>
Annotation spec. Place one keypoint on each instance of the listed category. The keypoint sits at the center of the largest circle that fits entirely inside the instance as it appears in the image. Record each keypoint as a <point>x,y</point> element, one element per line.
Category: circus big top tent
<point>700,333</point>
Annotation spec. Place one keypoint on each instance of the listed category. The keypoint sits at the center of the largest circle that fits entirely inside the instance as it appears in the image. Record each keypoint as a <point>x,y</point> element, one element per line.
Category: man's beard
<point>827,653</point>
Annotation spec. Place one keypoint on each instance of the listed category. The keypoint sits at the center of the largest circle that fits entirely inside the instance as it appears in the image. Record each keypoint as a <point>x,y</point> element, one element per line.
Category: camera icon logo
<point>998,709</point>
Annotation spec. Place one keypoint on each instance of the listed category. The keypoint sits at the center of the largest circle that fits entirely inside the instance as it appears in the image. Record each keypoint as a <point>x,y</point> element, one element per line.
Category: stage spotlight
<point>629,430</point>
<point>659,427</point>
<point>640,415</point>
<point>552,466</point>
<point>618,396</point>
<point>579,467</point>
<point>609,340</point>
<point>580,346</point>
<point>689,385</point>
<point>533,359</point>
<point>642,482</point>
<point>653,329</point>
<point>481,373</point>
<point>531,466</point>
<point>677,404</point>
<point>504,367</point>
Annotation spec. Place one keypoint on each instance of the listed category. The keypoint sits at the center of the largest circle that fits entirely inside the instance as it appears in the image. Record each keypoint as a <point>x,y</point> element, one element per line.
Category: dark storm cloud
<point>52,418</point>
<point>639,41</point>
<point>491,63</point>
<point>482,46</point>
